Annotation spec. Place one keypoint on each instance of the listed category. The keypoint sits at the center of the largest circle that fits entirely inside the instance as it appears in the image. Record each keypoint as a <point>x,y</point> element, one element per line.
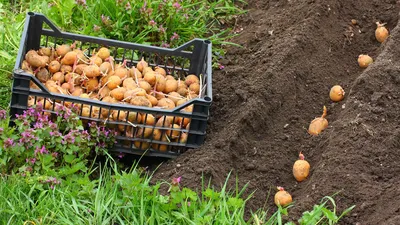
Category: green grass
<point>128,198</point>
<point>117,198</point>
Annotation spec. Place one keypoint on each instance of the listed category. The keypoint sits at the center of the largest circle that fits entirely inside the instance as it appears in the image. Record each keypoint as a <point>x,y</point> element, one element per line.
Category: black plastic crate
<point>194,57</point>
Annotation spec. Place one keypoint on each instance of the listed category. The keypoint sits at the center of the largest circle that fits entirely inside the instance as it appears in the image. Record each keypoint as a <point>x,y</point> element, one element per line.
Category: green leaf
<point>79,166</point>
<point>176,197</point>
<point>72,149</point>
<point>312,217</point>
<point>163,199</point>
<point>69,158</point>
<point>284,211</point>
<point>47,158</point>
<point>346,211</point>
<point>211,194</point>
<point>189,194</point>
<point>235,202</point>
<point>329,214</point>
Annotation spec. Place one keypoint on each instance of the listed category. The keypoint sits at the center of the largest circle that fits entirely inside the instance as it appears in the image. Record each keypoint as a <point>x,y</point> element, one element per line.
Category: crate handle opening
<point>46,20</point>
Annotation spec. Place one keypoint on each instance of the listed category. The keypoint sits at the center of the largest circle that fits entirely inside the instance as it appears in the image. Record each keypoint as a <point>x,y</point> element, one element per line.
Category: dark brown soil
<point>293,53</point>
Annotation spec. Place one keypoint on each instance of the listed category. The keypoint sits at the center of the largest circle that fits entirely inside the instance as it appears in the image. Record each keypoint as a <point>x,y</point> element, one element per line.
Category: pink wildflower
<point>121,155</point>
<point>8,143</point>
<point>96,28</point>
<point>177,6</point>
<point>105,19</point>
<point>144,7</point>
<point>80,2</point>
<point>174,36</point>
<point>165,45</point>
<point>32,160</point>
<point>162,29</point>
<point>176,181</point>
<point>128,6</point>
<point>41,150</point>
<point>152,23</point>
<point>3,114</point>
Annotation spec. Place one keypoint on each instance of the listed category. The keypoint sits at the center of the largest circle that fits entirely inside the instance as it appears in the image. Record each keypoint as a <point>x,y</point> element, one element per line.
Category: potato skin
<point>45,51</point>
<point>43,75</point>
<point>141,101</point>
<point>54,66</point>
<point>69,58</point>
<point>62,50</point>
<point>35,60</point>
<point>66,69</point>
<point>170,86</point>
<point>282,198</point>
<point>301,168</point>
<point>103,53</point>
<point>166,103</point>
<point>191,79</point>
<point>91,71</point>
<point>79,68</point>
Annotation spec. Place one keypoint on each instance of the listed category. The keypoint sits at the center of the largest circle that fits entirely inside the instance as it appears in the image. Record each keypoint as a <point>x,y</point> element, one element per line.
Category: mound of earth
<point>293,53</point>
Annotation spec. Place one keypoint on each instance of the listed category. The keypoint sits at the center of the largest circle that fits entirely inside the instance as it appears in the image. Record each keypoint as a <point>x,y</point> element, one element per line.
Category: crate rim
<point>208,98</point>
<point>57,33</point>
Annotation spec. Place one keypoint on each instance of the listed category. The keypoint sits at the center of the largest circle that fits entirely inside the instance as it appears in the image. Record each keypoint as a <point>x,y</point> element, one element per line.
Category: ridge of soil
<point>270,90</point>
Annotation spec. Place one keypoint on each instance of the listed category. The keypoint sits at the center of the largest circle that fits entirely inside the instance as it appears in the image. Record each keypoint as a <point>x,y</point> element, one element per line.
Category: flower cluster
<point>81,2</point>
<point>152,23</point>
<point>176,181</point>
<point>121,155</point>
<point>28,137</point>
<point>30,161</point>
<point>52,143</point>
<point>162,29</point>
<point>175,36</point>
<point>128,6</point>
<point>52,181</point>
<point>8,143</point>
<point>96,28</point>
<point>165,45</point>
<point>105,20</point>
<point>41,150</point>
<point>146,10</point>
<point>175,184</point>
<point>69,138</point>
<point>177,6</point>
<point>3,114</point>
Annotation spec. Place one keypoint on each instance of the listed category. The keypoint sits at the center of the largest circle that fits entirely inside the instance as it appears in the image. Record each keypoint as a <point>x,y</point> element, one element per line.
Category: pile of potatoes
<point>68,70</point>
